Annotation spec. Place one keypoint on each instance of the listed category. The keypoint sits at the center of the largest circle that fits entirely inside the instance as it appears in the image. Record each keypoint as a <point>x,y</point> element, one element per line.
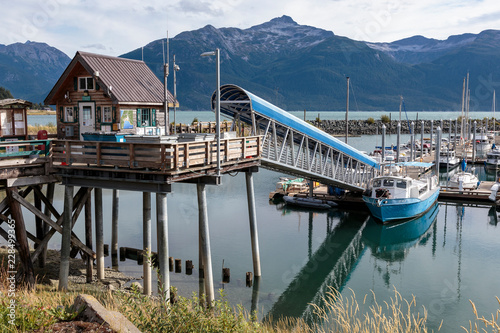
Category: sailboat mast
<point>400,105</point>
<point>494,119</point>
<point>463,107</point>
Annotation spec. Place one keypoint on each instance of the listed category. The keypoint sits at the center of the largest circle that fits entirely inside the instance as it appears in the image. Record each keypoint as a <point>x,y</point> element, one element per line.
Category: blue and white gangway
<point>294,146</point>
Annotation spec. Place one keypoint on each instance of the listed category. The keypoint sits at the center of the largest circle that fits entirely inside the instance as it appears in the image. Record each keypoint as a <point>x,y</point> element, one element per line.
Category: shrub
<point>370,120</point>
<point>385,119</point>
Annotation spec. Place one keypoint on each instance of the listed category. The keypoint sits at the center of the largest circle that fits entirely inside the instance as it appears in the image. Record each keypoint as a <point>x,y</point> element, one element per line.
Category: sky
<point>115,27</point>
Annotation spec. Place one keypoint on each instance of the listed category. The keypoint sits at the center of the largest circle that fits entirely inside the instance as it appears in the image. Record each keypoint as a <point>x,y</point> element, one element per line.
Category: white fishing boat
<point>464,179</point>
<point>308,202</point>
<point>492,161</point>
<point>391,198</point>
<point>448,158</point>
<point>483,145</point>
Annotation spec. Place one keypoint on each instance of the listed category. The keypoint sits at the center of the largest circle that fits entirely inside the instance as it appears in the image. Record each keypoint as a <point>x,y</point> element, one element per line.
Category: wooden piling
<point>99,233</point>
<point>178,265</point>
<point>114,227</point>
<point>22,239</point>
<point>254,235</point>
<point>66,238</point>
<point>114,222</point>
<point>162,234</point>
<point>189,267</point>
<point>146,242</point>
<point>40,230</point>
<point>205,244</point>
<point>171,264</point>
<point>249,279</point>
<point>88,238</point>
<point>226,275</point>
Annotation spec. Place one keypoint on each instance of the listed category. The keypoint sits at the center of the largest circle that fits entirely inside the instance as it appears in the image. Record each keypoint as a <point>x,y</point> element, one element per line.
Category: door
<point>87,118</point>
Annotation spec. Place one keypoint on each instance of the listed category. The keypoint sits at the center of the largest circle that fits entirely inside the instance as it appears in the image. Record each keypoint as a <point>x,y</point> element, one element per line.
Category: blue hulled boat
<point>392,198</point>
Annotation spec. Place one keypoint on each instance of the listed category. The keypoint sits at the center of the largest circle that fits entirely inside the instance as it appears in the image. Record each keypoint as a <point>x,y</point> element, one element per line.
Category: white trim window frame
<point>69,115</point>
<point>107,114</point>
<point>86,83</point>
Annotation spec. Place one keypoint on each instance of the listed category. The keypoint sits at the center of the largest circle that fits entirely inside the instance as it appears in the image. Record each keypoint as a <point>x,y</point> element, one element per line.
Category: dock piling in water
<point>162,234</point>
<point>254,235</point>
<point>205,243</point>
<point>99,233</point>
<point>146,242</point>
<point>66,238</point>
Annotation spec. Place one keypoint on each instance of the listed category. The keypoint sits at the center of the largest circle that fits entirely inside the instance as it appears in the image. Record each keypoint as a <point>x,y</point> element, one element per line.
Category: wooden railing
<point>24,149</point>
<point>164,157</point>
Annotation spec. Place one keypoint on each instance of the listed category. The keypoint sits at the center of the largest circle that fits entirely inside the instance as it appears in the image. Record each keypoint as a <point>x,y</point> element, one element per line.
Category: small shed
<point>13,119</point>
<point>103,94</point>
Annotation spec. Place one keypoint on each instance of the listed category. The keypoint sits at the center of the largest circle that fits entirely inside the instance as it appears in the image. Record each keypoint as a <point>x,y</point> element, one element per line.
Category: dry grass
<point>50,128</point>
<point>345,315</point>
<point>491,325</point>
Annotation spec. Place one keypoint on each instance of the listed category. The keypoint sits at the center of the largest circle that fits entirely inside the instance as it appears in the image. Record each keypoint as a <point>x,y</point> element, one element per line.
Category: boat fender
<point>494,190</point>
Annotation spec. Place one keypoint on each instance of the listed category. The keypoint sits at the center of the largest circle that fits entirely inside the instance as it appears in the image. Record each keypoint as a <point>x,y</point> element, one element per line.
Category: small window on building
<point>86,83</point>
<point>146,117</point>
<point>69,116</point>
<point>107,116</point>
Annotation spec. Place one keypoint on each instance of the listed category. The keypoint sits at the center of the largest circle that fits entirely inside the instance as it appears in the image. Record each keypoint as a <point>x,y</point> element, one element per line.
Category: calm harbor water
<point>445,258</point>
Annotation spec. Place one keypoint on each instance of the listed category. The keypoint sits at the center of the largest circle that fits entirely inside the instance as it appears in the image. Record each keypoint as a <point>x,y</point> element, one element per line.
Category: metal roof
<point>5,103</point>
<point>234,98</point>
<point>128,81</point>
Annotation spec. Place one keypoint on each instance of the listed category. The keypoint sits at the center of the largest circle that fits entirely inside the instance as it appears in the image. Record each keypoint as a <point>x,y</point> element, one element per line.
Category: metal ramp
<point>294,146</point>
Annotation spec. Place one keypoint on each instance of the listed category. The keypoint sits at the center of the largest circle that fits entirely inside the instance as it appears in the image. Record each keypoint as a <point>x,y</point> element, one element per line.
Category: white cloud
<point>115,27</point>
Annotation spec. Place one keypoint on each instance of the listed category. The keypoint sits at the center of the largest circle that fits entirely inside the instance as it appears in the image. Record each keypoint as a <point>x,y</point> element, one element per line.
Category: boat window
<point>376,183</point>
<point>401,184</point>
<point>389,182</point>
<point>422,190</point>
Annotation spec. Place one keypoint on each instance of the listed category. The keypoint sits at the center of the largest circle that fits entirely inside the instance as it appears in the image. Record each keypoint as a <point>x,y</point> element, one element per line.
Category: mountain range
<point>296,67</point>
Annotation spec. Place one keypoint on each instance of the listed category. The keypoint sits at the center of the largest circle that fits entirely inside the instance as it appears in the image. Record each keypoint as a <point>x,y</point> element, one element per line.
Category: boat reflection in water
<point>331,264</point>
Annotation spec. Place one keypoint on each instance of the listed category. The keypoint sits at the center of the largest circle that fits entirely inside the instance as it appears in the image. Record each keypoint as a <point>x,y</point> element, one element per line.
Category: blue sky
<point>115,27</point>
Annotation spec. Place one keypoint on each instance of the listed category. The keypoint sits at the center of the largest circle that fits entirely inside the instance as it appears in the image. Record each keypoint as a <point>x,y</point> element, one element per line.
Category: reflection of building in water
<point>328,266</point>
<point>392,242</point>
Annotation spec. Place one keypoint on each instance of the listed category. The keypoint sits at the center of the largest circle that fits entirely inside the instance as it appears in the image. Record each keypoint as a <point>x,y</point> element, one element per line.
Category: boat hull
<point>387,210</point>
<point>306,202</point>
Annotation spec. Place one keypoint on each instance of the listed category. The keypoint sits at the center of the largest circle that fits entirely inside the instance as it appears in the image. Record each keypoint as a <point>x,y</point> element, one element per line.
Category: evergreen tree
<point>4,93</point>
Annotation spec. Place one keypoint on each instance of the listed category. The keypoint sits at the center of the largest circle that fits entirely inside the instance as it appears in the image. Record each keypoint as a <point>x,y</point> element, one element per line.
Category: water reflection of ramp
<point>330,265</point>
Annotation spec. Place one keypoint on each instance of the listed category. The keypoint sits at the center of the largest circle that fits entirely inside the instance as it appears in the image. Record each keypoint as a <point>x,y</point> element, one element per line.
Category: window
<point>69,116</point>
<point>6,121</point>
<point>146,117</point>
<point>389,182</point>
<point>107,116</point>
<point>86,83</point>
<point>401,184</point>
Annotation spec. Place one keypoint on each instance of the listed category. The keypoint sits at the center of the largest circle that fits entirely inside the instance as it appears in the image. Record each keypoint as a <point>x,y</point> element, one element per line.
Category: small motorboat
<point>492,161</point>
<point>308,202</point>
<point>391,198</point>
<point>448,158</point>
<point>464,179</point>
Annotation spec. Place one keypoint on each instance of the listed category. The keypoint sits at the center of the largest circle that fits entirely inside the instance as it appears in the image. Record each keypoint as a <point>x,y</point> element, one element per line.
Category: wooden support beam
<point>88,237</point>
<point>39,224</point>
<point>66,239</point>
<point>99,233</point>
<point>47,200</point>
<point>49,221</point>
<point>24,250</point>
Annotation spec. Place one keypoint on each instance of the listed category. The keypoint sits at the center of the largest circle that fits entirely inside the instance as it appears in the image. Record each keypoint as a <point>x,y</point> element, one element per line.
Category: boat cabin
<point>103,94</point>
<point>396,187</point>
<point>13,119</point>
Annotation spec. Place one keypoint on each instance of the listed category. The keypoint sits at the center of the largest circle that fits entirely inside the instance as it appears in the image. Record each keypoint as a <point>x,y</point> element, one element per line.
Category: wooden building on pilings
<point>89,166</point>
<point>98,93</point>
